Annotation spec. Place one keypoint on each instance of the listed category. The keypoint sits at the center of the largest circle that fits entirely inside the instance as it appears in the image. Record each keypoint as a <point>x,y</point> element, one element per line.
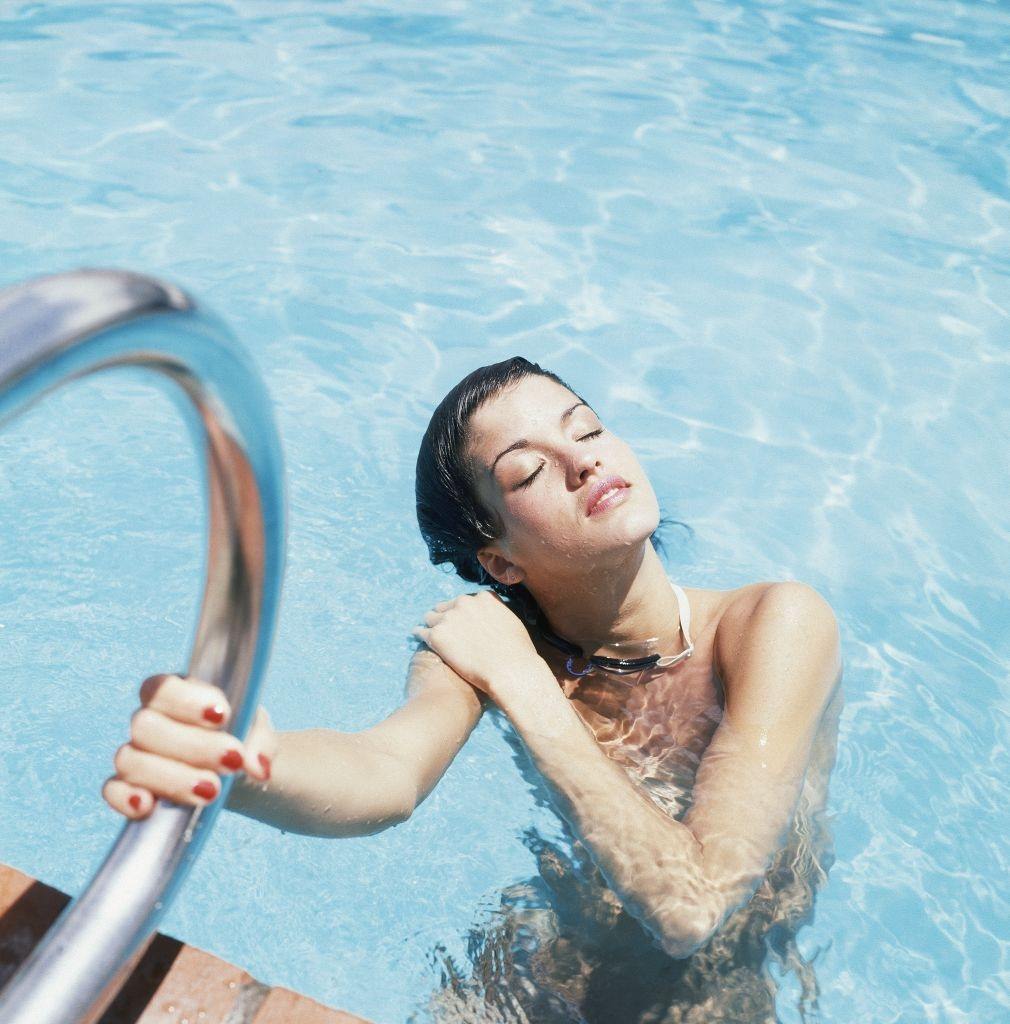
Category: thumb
<point>260,746</point>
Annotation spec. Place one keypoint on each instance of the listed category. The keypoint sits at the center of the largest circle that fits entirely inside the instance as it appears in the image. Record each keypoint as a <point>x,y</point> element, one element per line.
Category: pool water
<point>769,240</point>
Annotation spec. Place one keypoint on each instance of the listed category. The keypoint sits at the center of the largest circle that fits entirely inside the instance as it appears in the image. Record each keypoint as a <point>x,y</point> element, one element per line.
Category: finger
<point>131,801</point>
<point>186,700</point>
<point>432,617</point>
<point>443,605</point>
<point>261,746</point>
<point>166,778</point>
<point>156,733</point>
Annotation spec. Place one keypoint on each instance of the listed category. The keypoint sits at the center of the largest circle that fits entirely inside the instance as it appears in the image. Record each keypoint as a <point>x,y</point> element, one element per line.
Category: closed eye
<point>529,479</point>
<point>525,483</point>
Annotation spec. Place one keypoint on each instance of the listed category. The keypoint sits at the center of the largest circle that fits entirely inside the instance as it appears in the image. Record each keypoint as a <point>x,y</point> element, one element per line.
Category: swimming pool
<point>769,240</point>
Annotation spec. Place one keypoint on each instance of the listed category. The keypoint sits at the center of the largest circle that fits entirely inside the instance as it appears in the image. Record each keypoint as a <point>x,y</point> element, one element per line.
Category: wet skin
<point>737,725</point>
<point>657,724</point>
<point>582,948</point>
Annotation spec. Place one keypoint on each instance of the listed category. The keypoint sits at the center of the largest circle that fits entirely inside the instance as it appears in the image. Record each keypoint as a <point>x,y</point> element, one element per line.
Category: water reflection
<point>560,949</point>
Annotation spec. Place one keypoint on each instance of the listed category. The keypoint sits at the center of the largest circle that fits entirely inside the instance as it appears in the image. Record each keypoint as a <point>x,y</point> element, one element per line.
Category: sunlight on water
<point>769,241</point>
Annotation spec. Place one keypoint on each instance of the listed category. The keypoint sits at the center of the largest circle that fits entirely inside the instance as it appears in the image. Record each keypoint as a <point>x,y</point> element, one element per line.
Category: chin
<point>639,533</point>
<point>640,516</point>
<point>629,530</point>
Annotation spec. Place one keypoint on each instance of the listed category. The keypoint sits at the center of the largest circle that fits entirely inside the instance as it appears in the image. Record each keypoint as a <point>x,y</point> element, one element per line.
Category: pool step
<point>172,983</point>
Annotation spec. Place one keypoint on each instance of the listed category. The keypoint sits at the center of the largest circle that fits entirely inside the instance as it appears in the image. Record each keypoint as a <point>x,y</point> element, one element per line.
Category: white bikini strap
<point>682,603</point>
<point>685,613</point>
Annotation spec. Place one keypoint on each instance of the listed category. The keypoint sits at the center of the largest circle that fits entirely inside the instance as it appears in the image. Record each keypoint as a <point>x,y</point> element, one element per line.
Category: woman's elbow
<point>400,803</point>
<point>387,806</point>
<point>682,936</point>
<point>682,945</point>
<point>359,825</point>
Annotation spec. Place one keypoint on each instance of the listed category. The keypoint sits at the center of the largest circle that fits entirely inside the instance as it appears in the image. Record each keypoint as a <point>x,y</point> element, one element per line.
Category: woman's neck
<point>619,604</point>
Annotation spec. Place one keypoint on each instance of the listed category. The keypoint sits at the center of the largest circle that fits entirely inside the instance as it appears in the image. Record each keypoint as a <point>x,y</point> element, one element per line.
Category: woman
<point>684,735</point>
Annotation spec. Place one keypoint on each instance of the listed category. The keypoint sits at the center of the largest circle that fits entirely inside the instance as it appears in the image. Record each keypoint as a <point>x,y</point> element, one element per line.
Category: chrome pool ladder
<point>59,328</point>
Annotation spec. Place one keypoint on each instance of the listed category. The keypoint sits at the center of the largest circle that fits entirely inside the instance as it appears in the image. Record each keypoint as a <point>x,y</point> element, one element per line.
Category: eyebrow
<point>523,443</point>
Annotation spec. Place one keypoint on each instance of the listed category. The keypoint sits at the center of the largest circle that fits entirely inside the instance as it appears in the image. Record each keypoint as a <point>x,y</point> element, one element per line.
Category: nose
<point>582,463</point>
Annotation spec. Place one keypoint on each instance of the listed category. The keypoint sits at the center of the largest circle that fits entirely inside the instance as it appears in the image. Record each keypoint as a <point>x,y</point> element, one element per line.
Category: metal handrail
<point>55,329</point>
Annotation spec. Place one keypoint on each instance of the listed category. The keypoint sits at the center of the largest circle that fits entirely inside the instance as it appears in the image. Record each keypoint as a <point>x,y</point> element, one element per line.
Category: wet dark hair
<point>453,522</point>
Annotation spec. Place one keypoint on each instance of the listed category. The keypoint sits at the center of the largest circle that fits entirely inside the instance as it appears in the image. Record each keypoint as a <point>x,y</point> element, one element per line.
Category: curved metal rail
<point>56,329</point>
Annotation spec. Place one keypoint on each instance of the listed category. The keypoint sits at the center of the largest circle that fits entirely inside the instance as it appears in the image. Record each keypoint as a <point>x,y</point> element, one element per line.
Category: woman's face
<point>569,493</point>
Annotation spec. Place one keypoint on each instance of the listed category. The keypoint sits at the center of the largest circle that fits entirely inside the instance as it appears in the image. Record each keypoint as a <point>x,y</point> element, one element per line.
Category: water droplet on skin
<point>231,984</point>
<point>171,1008</point>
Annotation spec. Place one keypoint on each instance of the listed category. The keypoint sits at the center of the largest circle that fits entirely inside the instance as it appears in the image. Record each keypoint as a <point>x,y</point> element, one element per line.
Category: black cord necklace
<point>624,666</point>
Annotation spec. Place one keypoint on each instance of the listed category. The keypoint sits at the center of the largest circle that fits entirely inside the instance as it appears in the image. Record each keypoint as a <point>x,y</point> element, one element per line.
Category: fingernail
<point>265,763</point>
<point>207,790</point>
<point>233,760</point>
<point>214,714</point>
<point>135,802</point>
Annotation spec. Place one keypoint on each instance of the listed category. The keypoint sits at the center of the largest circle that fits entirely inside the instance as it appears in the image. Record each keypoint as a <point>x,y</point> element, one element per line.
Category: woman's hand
<point>179,747</point>
<point>481,639</point>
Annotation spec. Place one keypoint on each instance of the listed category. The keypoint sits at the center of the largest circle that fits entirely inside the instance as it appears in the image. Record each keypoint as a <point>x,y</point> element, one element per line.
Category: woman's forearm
<point>329,784</point>
<point>649,859</point>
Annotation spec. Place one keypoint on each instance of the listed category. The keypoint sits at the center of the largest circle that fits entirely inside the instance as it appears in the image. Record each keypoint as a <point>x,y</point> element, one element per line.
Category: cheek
<point>629,461</point>
<point>528,512</point>
<point>646,501</point>
<point>537,521</point>
<point>625,458</point>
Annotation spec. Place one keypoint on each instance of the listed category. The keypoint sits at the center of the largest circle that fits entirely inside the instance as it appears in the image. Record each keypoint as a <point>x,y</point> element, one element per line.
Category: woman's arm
<point>329,784</point>
<point>338,784</point>
<point>682,880</point>
<point>426,733</point>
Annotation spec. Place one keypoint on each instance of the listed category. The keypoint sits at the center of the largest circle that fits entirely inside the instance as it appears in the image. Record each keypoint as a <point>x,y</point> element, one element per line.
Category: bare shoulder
<point>761,613</point>
<point>710,606</point>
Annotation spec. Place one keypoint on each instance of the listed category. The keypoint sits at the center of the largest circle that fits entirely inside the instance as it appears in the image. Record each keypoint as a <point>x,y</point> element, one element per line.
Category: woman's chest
<point>653,718</point>
<point>655,724</point>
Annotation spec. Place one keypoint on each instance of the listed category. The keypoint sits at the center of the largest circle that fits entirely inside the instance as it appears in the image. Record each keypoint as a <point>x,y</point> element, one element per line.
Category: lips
<point>601,489</point>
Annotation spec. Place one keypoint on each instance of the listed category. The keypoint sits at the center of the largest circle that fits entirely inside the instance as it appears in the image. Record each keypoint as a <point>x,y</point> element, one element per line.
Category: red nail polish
<point>214,714</point>
<point>265,763</point>
<point>207,790</point>
<point>135,802</point>
<point>233,760</point>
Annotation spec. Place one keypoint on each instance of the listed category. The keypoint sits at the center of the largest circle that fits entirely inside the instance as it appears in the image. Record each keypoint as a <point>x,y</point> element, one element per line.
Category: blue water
<point>770,241</point>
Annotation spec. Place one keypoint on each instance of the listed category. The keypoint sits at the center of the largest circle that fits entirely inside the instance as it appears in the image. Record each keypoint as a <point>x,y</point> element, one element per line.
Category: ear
<point>499,567</point>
